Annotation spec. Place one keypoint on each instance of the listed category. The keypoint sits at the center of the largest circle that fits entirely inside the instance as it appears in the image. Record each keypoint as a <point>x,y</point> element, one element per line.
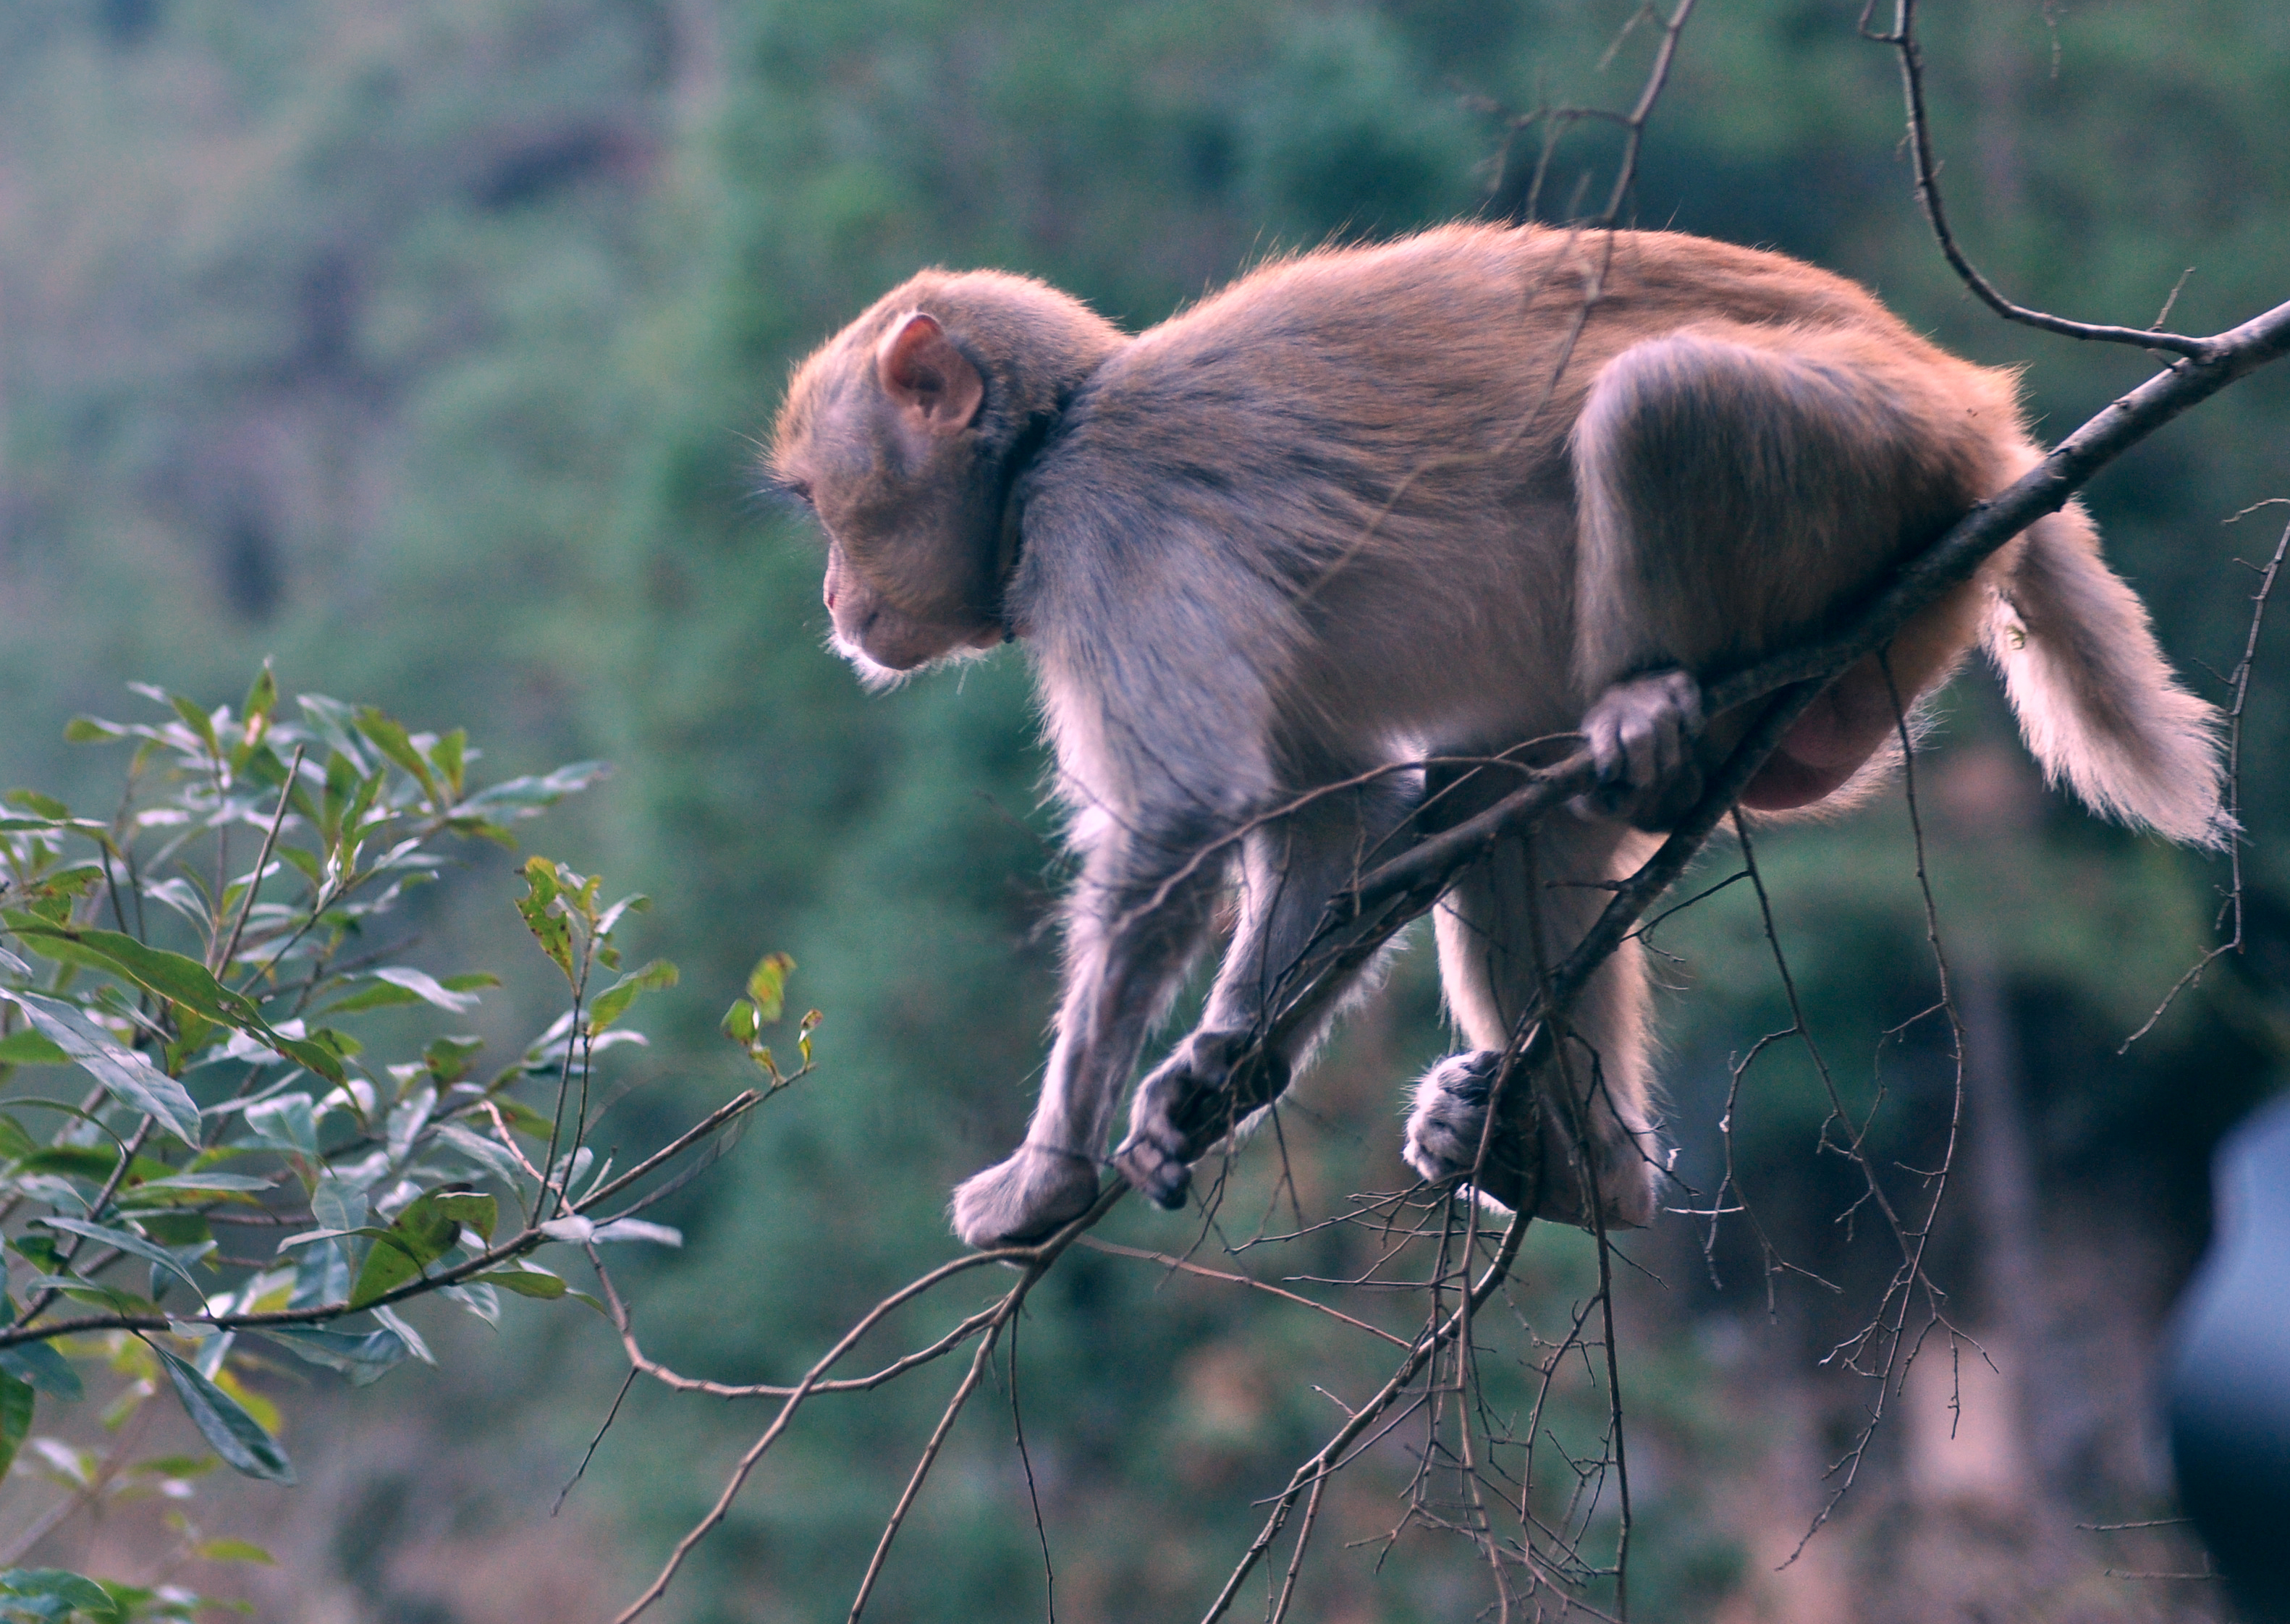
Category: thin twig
<point>2233,906</point>
<point>1903,39</point>
<point>254,880</point>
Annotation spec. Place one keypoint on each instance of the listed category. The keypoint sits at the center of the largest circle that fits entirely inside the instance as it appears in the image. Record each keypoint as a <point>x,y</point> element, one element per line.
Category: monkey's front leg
<point>1642,733</point>
<point>1290,871</point>
<point>1125,951</point>
<point>1189,1101</point>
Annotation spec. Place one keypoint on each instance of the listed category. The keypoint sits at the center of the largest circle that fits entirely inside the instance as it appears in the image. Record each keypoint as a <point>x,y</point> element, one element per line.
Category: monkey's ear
<point>931,383</point>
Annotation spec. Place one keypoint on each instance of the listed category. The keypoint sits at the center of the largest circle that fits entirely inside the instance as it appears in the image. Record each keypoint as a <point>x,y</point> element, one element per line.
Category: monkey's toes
<point>1032,1194</point>
<point>1153,1160</point>
<point>1450,1120</point>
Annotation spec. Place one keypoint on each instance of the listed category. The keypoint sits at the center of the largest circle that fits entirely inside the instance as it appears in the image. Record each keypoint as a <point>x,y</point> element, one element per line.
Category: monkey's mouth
<point>885,662</point>
<point>872,672</point>
<point>885,645</point>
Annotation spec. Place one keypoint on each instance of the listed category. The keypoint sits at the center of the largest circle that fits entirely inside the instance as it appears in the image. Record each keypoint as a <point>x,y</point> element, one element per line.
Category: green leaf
<point>127,1241</point>
<point>361,1358</point>
<point>131,1078</point>
<point>343,780</point>
<point>44,1255</point>
<point>406,1334</point>
<point>233,1550</point>
<point>15,1143</point>
<point>334,722</point>
<point>388,1266</point>
<point>110,1299</point>
<point>223,1422</point>
<point>40,806</point>
<point>530,1281</point>
<point>767,986</point>
<point>522,1118</point>
<point>381,996</point>
<point>91,730</point>
<point>173,977</point>
<point>202,1184</point>
<point>416,1237</point>
<point>42,1367</point>
<point>522,797</point>
<point>16,1401</point>
<point>470,1210</point>
<point>740,1022</point>
<point>448,1058</point>
<point>93,1163</point>
<point>389,737</point>
<point>427,988</point>
<point>197,721</point>
<point>448,755</point>
<point>283,1122</point>
<point>613,1001</point>
<point>173,1229</point>
<point>338,1203</point>
<point>550,928</point>
<point>55,1594</point>
<point>262,701</point>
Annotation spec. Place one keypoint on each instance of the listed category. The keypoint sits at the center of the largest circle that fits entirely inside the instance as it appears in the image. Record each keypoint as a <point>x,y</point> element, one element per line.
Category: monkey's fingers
<point>1212,1084</point>
<point>1641,735</point>
<point>1155,1166</point>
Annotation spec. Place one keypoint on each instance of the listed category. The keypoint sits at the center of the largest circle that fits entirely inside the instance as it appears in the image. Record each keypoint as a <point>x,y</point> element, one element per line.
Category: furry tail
<point>2098,704</point>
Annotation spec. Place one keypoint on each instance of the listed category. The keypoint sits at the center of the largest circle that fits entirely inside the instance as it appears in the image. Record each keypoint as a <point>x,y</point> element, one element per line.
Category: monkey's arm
<point>1291,870</point>
<point>1135,919</point>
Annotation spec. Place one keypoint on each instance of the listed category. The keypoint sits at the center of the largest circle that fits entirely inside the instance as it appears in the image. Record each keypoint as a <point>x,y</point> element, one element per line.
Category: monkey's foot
<point>1024,1198</point>
<point>1190,1101</point>
<point>1642,733</point>
<point>1532,1165</point>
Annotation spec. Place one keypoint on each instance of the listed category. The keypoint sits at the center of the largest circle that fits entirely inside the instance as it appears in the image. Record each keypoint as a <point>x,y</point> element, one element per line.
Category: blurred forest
<point>422,344</point>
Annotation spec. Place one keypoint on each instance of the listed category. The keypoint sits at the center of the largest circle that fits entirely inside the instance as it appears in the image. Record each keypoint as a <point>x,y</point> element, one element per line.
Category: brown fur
<point>1432,498</point>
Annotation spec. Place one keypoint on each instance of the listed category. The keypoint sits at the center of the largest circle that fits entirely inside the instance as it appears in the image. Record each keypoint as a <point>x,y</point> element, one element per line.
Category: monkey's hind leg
<point>1574,1133</point>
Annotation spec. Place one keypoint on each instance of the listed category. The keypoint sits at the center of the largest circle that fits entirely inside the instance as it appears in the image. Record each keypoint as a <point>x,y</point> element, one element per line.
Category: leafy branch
<point>207,1006</point>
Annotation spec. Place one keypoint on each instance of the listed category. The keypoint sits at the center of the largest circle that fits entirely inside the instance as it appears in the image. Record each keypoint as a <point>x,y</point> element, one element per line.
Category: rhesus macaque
<point>1431,500</point>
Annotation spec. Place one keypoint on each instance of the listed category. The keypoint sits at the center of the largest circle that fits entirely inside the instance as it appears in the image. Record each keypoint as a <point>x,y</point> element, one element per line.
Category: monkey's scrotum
<point>1419,503</point>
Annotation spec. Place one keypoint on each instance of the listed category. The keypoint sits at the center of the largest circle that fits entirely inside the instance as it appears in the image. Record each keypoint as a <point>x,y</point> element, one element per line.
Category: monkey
<point>1419,502</point>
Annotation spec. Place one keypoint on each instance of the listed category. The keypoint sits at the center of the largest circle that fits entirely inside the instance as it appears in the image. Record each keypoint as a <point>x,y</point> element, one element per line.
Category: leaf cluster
<point>199,958</point>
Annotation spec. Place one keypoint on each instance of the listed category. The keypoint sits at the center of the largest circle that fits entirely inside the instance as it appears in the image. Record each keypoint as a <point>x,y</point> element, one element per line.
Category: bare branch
<point>1903,39</point>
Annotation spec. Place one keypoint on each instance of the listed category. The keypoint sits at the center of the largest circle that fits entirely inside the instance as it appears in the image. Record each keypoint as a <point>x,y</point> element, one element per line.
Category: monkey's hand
<point>1642,733</point>
<point>1034,1192</point>
<point>1192,1100</point>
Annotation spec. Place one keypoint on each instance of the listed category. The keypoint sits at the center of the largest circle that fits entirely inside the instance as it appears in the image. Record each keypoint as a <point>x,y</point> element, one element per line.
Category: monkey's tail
<point>2098,704</point>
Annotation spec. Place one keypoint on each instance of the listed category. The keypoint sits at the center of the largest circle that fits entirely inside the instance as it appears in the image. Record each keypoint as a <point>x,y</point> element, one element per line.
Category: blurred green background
<point>424,344</point>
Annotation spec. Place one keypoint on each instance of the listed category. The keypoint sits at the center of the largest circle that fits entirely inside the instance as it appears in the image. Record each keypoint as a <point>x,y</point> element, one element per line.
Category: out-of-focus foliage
<point>243,1175</point>
<point>420,344</point>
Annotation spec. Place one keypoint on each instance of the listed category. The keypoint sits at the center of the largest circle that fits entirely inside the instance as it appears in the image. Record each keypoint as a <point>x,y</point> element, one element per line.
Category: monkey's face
<point>878,438</point>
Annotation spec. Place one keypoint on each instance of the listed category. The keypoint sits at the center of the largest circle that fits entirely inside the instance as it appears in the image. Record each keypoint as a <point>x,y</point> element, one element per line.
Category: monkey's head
<point>905,435</point>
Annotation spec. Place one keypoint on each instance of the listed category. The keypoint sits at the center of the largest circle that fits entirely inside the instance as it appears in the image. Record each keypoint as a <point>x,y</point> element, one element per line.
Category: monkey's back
<point>1360,449</point>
